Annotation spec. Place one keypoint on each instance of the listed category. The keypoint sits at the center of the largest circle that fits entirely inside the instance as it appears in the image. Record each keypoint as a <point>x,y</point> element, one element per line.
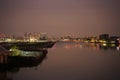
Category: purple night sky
<point>60,17</point>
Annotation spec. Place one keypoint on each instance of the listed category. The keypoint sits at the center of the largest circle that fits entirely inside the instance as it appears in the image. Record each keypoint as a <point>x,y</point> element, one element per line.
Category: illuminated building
<point>113,39</point>
<point>104,37</point>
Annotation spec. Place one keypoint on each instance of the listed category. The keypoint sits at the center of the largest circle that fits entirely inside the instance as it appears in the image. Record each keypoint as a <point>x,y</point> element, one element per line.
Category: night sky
<point>60,17</point>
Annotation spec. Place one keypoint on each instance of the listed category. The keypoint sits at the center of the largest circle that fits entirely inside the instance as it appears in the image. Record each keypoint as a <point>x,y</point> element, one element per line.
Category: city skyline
<point>60,17</point>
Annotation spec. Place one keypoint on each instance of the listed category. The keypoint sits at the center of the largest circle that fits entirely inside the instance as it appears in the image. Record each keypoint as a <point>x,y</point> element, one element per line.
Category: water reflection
<point>110,47</point>
<point>118,48</point>
<point>94,46</point>
<point>25,59</point>
<point>80,63</point>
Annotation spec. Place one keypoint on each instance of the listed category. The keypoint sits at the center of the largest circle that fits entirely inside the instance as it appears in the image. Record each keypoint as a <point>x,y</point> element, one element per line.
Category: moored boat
<point>28,45</point>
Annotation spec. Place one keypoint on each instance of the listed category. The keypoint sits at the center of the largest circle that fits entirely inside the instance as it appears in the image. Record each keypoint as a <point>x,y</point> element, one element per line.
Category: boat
<point>24,59</point>
<point>28,45</point>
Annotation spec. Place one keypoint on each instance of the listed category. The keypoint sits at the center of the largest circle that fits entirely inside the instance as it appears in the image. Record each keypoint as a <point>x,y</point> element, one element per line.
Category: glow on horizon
<point>60,17</point>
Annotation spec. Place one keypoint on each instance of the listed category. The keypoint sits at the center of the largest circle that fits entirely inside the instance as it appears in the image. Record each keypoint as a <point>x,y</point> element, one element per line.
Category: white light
<point>104,44</point>
<point>118,48</point>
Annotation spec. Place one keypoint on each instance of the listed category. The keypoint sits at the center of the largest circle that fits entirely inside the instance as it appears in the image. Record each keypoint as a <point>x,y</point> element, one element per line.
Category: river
<point>71,61</point>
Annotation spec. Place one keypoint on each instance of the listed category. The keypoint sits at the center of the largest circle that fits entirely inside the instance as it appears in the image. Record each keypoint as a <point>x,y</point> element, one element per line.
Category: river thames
<point>71,61</point>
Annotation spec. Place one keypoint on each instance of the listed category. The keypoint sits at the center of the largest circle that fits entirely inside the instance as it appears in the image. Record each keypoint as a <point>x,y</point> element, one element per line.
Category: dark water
<point>71,61</point>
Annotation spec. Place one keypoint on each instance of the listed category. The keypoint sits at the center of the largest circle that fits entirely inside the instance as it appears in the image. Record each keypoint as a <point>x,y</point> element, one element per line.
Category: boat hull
<point>28,45</point>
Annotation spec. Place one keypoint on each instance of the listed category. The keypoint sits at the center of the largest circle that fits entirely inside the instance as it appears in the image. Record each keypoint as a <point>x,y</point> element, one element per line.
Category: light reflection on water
<point>74,61</point>
<point>94,46</point>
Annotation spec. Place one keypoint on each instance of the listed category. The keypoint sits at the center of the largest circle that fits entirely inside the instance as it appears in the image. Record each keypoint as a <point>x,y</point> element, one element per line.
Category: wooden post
<point>1,59</point>
<point>5,59</point>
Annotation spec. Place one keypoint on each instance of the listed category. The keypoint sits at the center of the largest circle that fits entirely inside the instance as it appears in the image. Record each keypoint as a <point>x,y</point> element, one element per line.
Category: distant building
<point>114,39</point>
<point>104,37</point>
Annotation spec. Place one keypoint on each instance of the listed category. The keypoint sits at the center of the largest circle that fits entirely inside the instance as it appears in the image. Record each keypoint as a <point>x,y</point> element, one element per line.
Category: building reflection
<point>94,46</point>
<point>26,59</point>
<point>67,45</point>
<point>103,46</point>
<point>73,46</point>
<point>109,46</point>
